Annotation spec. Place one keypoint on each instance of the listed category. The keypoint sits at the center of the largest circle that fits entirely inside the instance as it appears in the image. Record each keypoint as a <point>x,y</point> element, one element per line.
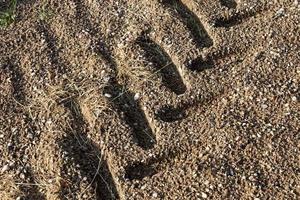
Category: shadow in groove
<point>53,50</point>
<point>170,75</point>
<point>237,18</point>
<point>192,21</point>
<point>228,3</point>
<point>150,167</point>
<point>17,80</point>
<point>87,154</point>
<point>134,116</point>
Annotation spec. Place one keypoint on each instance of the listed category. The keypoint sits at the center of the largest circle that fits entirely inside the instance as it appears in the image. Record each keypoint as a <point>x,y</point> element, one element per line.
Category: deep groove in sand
<point>172,114</point>
<point>53,51</point>
<point>121,98</point>
<point>201,64</point>
<point>84,20</point>
<point>151,167</point>
<point>105,186</point>
<point>82,16</point>
<point>162,62</point>
<point>192,21</point>
<point>82,148</point>
<point>18,80</point>
<point>132,113</point>
<point>237,18</point>
<point>228,3</point>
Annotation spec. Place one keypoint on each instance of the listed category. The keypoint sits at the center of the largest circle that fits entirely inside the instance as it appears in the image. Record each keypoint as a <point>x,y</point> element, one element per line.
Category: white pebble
<point>107,95</point>
<point>22,176</point>
<point>264,106</point>
<point>136,96</point>
<point>154,195</point>
<point>4,168</point>
<point>294,98</point>
<point>204,195</point>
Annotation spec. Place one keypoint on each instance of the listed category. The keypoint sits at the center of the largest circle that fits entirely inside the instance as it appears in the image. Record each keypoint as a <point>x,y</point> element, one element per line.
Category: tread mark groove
<point>53,51</point>
<point>105,186</point>
<point>82,16</point>
<point>82,148</point>
<point>192,21</point>
<point>200,65</point>
<point>18,80</point>
<point>237,18</point>
<point>134,116</point>
<point>122,99</point>
<point>140,170</point>
<point>170,113</point>
<point>228,3</point>
<point>170,75</point>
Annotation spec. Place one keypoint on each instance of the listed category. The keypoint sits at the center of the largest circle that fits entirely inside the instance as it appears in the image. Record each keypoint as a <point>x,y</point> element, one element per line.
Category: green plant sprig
<point>8,16</point>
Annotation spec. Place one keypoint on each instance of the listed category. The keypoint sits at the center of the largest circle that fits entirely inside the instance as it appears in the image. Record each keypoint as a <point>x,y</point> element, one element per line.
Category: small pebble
<point>107,95</point>
<point>136,96</point>
<point>280,12</point>
<point>294,98</point>
<point>204,195</point>
<point>264,106</point>
<point>154,195</point>
<point>22,176</point>
<point>4,168</point>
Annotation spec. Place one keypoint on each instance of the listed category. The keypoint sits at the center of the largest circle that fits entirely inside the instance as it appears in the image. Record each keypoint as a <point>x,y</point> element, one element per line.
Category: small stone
<point>264,106</point>
<point>204,195</point>
<point>22,176</point>
<point>107,95</point>
<point>9,145</point>
<point>280,12</point>
<point>4,168</point>
<point>294,98</point>
<point>30,136</point>
<point>154,195</point>
<point>18,198</point>
<point>136,96</point>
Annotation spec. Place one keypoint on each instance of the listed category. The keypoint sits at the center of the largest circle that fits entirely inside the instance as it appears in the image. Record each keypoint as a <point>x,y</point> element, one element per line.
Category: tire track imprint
<point>17,80</point>
<point>130,109</point>
<point>229,3</point>
<point>171,77</point>
<point>170,114</point>
<point>82,148</point>
<point>232,18</point>
<point>119,95</point>
<point>53,52</point>
<point>77,132</point>
<point>192,21</point>
<point>18,84</point>
<point>236,18</point>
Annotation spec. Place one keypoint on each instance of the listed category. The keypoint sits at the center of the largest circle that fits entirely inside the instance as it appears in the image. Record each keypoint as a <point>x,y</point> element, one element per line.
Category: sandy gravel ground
<point>149,99</point>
